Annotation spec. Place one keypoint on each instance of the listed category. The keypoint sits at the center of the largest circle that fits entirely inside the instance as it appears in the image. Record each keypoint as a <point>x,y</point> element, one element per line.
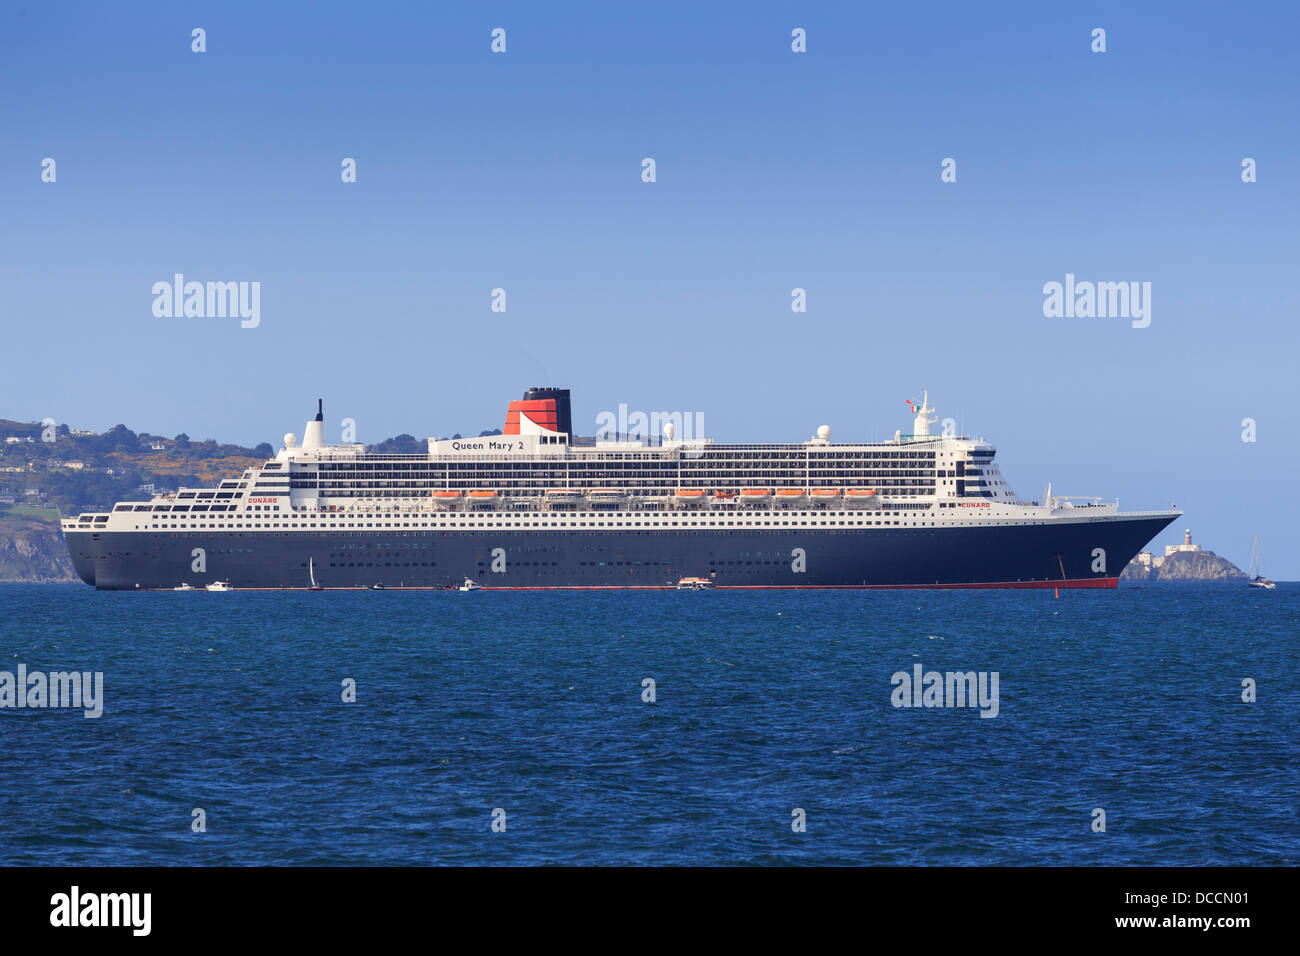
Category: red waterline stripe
<point>1070,583</point>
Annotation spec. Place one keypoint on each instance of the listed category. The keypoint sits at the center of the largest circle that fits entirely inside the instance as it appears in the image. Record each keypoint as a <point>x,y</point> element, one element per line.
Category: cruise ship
<point>536,508</point>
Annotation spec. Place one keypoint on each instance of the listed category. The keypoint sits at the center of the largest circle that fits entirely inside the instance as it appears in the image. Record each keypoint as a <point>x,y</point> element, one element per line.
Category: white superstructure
<point>539,477</point>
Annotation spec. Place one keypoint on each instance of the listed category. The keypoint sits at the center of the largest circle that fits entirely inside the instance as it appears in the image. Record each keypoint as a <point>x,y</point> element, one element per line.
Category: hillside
<point>54,466</point>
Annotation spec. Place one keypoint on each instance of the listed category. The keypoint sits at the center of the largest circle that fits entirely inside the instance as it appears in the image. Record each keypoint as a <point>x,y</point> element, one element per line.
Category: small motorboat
<point>470,585</point>
<point>694,584</point>
<point>378,587</point>
<point>183,587</point>
<point>219,586</point>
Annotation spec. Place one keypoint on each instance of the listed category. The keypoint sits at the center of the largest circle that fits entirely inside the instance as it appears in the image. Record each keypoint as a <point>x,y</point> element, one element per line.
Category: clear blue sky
<point>775,170</point>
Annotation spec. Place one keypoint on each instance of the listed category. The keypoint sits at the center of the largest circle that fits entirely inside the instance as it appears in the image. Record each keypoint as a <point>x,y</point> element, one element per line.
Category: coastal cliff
<point>32,551</point>
<point>1185,566</point>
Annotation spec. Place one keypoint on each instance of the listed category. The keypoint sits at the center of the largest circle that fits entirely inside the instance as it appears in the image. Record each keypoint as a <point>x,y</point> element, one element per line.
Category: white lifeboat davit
<point>563,495</point>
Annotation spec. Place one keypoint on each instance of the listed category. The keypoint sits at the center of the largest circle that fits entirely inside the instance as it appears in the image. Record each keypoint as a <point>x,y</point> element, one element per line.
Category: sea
<point>1133,727</point>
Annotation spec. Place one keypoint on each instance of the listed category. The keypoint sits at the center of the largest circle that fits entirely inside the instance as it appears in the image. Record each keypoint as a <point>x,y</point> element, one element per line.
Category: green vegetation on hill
<point>401,445</point>
<point>50,466</point>
<point>28,511</point>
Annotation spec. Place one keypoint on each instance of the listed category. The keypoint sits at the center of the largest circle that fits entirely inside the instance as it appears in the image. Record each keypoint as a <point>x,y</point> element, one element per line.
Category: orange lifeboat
<point>790,496</point>
<point>755,496</point>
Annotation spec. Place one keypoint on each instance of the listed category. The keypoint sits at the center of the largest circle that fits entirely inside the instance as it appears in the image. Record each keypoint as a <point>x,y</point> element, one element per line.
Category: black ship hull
<point>1052,553</point>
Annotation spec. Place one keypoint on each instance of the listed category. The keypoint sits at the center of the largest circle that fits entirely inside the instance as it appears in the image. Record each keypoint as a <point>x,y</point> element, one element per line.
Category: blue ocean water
<point>765,702</point>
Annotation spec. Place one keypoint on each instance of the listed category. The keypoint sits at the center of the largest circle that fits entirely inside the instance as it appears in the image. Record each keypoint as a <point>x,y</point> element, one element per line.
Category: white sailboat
<point>311,573</point>
<point>1258,580</point>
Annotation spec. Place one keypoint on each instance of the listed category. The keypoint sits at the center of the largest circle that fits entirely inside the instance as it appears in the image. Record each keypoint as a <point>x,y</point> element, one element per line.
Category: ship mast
<point>923,420</point>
